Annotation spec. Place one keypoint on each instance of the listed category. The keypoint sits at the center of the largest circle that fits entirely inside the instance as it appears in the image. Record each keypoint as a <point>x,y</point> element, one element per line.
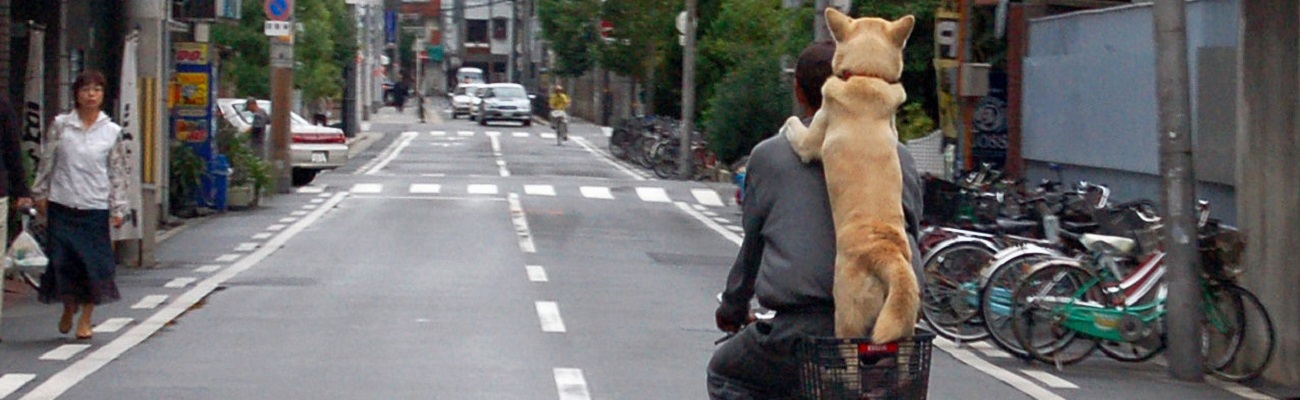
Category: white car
<point>312,148</point>
<point>463,101</point>
<point>505,102</point>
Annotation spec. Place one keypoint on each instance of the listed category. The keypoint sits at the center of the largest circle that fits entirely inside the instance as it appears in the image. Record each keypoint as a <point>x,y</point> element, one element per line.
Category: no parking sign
<point>278,10</point>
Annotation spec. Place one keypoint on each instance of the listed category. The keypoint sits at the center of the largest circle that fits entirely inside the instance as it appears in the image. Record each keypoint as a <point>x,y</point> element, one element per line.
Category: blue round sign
<point>279,10</point>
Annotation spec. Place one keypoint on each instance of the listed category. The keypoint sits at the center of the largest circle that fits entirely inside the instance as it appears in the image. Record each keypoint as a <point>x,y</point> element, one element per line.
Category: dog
<point>854,135</point>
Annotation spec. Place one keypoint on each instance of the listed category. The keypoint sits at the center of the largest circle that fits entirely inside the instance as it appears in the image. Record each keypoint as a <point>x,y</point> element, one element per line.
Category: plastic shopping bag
<point>25,253</point>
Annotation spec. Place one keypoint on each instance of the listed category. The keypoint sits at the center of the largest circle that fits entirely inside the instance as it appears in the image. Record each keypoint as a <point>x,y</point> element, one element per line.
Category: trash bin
<point>215,184</point>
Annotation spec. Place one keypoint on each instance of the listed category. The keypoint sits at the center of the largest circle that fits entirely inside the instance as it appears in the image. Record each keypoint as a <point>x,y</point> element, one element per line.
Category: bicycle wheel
<point>1039,318</point>
<point>32,279</point>
<point>951,301</point>
<point>1257,339</point>
<point>618,144</point>
<point>995,301</point>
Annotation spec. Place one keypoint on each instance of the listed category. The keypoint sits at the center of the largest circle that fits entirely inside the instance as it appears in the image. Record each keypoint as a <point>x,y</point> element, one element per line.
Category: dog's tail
<point>897,319</point>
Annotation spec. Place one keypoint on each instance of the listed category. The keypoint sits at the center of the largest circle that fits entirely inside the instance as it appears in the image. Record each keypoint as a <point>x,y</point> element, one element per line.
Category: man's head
<point>810,72</point>
<point>251,104</point>
<point>559,88</point>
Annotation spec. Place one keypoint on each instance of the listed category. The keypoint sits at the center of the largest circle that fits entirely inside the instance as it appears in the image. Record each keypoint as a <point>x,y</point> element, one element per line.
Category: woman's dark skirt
<point>82,267</point>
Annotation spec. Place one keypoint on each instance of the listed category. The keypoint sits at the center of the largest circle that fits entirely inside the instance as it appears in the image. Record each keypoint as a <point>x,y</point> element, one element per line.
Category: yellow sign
<point>193,89</point>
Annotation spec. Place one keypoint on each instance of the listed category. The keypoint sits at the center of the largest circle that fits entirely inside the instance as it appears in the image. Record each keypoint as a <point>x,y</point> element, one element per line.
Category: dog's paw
<point>799,138</point>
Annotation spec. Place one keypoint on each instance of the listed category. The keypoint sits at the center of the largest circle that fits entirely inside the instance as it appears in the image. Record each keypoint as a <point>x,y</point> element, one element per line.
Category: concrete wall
<point>1268,174</point>
<point>1090,81</point>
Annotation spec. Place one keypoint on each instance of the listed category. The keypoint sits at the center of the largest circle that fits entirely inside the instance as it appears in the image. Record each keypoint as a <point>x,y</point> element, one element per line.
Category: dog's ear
<point>901,29</point>
<point>839,23</point>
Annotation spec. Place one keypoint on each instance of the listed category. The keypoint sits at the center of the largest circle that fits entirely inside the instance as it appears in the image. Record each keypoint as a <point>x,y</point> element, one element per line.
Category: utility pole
<point>1179,190</point>
<point>510,31</point>
<point>282,63</point>
<point>821,32</point>
<point>684,166</point>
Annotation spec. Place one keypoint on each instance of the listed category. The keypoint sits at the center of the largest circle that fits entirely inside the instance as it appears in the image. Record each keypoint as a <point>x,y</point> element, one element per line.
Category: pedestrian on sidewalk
<point>257,130</point>
<point>787,259</point>
<point>13,178</point>
<point>80,188</point>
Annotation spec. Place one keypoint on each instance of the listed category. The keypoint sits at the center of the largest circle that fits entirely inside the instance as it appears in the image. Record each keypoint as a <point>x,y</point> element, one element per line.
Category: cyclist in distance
<point>787,257</point>
<point>559,113</point>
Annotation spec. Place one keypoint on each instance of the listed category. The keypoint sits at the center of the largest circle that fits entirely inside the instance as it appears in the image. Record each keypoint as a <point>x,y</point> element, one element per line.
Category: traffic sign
<point>606,29</point>
<point>278,10</point>
<point>277,28</point>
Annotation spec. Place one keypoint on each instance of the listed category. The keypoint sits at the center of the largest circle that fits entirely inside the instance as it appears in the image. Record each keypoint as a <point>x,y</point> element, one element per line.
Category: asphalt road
<point>454,261</point>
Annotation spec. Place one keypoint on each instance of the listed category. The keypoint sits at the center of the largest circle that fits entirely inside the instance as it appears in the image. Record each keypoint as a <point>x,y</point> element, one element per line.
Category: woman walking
<point>80,187</point>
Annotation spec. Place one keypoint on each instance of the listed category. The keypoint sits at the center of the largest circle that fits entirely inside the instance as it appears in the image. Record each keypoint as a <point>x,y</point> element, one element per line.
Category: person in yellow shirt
<point>560,118</point>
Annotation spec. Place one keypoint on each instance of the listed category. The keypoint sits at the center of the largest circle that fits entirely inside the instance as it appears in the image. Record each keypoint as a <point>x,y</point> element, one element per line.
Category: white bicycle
<point>560,121</point>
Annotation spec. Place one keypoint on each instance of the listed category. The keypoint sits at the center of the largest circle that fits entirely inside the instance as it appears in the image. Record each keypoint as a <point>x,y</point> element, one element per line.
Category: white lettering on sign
<point>945,35</point>
<point>277,28</point>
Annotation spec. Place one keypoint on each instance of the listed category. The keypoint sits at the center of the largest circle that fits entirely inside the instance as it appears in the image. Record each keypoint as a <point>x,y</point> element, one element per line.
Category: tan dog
<point>853,134</point>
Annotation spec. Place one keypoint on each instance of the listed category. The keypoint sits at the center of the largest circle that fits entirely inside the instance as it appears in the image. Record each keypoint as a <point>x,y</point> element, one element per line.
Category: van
<point>469,75</point>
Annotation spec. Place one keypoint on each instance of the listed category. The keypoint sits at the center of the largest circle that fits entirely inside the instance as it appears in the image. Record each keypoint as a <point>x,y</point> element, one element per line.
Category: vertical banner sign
<point>129,117</point>
<point>192,114</point>
<point>390,27</point>
<point>990,123</point>
<point>33,101</point>
<point>947,40</point>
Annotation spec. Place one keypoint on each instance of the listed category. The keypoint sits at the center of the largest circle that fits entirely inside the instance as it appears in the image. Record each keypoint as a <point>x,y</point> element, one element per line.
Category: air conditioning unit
<point>974,79</point>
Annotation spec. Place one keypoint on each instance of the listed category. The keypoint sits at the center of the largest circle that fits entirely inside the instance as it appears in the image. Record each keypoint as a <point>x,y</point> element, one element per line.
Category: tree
<point>328,40</point>
<point>748,105</point>
<point>918,69</point>
<point>569,26</point>
<point>643,29</point>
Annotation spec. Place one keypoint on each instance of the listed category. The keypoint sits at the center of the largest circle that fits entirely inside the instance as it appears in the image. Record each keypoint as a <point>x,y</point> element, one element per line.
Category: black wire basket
<point>853,368</point>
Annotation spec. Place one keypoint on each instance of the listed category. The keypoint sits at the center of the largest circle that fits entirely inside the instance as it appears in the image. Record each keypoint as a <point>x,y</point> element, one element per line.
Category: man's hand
<point>731,319</point>
<point>23,202</point>
<point>117,221</point>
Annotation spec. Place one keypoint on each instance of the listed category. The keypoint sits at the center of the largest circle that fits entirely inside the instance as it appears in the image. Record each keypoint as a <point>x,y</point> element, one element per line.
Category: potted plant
<point>186,170</point>
<point>249,173</point>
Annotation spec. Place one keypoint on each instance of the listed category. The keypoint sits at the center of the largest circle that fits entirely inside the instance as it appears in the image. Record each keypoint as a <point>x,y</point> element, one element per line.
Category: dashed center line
<point>536,273</point>
<point>549,313</point>
<point>571,385</point>
<point>520,220</point>
<point>150,302</point>
<point>64,352</point>
<point>539,190</point>
<point>112,325</point>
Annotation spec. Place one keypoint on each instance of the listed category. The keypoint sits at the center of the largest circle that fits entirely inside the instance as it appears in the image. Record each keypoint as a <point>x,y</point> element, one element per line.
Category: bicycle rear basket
<point>853,368</point>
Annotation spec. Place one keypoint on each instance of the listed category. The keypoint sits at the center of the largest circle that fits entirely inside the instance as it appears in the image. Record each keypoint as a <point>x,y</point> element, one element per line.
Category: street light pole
<point>1179,190</point>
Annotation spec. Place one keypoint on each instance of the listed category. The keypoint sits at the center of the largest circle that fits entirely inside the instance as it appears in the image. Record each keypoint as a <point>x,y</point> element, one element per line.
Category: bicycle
<point>560,121</point>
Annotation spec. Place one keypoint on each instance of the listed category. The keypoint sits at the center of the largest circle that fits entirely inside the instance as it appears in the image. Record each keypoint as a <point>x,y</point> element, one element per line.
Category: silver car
<point>505,102</point>
<point>463,101</point>
<point>312,148</point>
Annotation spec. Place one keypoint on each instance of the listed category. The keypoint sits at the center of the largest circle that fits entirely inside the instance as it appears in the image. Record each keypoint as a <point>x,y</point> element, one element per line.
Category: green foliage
<point>913,123</point>
<point>246,167</point>
<point>749,105</point>
<point>569,27</point>
<point>918,70</point>
<point>186,176</point>
<point>643,31</point>
<point>326,44</point>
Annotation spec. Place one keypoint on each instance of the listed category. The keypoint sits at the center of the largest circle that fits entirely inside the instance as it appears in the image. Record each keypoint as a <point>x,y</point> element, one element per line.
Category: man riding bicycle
<point>559,118</point>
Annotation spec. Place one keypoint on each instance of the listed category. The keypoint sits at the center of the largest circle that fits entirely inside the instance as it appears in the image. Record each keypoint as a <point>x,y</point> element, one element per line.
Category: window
<point>476,31</point>
<point>499,28</point>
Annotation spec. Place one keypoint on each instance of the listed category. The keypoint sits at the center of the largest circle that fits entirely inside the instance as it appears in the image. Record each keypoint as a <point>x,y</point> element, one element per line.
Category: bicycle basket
<point>853,368</point>
<point>1221,248</point>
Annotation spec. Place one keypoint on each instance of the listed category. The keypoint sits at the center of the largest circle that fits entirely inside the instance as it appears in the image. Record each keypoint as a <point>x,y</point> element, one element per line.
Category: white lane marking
<point>734,228</point>
<point>288,220</point>
<point>546,135</point>
<point>726,234</point>
<point>607,159</point>
<point>520,220</point>
<point>698,207</point>
<point>571,385</point>
<point>520,134</point>
<point>539,190</point>
<point>596,192</point>
<point>318,201</point>
<point>653,195</point>
<point>549,313</point>
<point>1238,389</point>
<point>465,133</point>
<point>323,196</point>
<point>247,246</point>
<point>309,207</point>
<point>492,133</point>
<point>709,213</point>
<point>496,144</point>
<point>707,197</point>
<point>536,273</point>
<point>227,257</point>
<point>207,269</point>
<point>367,188</point>
<point>1048,379</point>
<point>150,302</point>
<point>482,189</point>
<point>275,227</point>
<point>407,137</point>
<point>1016,381</point>
<point>64,352</point>
<point>60,382</point>
<point>112,325</point>
<point>298,213</point>
<point>312,189</point>
<point>438,133</point>
<point>722,220</point>
<point>426,188</point>
<point>179,282</point>
<point>607,131</point>
<point>10,383</point>
<point>501,165</point>
<point>988,350</point>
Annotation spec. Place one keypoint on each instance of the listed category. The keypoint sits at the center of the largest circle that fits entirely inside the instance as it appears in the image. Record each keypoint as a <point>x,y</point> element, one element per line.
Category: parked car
<point>312,148</point>
<point>504,102</point>
<point>463,101</point>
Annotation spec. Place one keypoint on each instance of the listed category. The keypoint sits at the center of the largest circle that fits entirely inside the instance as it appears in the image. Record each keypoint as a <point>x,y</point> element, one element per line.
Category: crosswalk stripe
<point>367,188</point>
<point>546,135</point>
<point>10,383</point>
<point>64,352</point>
<point>520,134</point>
<point>492,133</point>
<point>426,188</point>
<point>539,190</point>
<point>179,282</point>
<point>465,133</point>
<point>438,133</point>
<point>596,192</point>
<point>654,195</point>
<point>311,189</point>
<point>570,384</point>
<point>150,302</point>
<point>707,197</point>
<point>536,273</point>
<point>111,325</point>
<point>482,189</point>
<point>207,269</point>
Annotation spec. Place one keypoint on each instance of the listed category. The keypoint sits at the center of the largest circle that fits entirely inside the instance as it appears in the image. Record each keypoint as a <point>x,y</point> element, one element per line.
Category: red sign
<point>606,29</point>
<point>278,10</point>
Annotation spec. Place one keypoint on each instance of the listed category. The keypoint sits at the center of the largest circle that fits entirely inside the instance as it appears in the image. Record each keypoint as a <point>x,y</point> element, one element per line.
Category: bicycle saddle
<point>1122,244</point>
